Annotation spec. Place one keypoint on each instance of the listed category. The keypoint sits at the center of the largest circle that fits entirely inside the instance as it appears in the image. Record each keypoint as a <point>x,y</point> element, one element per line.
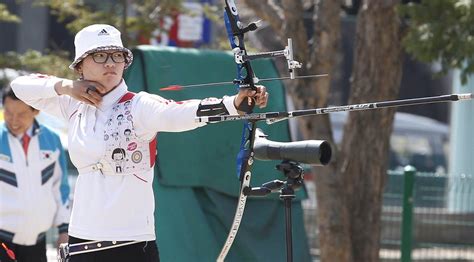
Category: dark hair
<point>8,92</point>
<point>118,151</point>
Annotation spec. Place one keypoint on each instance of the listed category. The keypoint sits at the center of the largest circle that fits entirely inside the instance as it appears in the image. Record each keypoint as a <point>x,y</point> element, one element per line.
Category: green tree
<point>146,18</point>
<point>6,16</point>
<point>34,61</point>
<point>441,31</point>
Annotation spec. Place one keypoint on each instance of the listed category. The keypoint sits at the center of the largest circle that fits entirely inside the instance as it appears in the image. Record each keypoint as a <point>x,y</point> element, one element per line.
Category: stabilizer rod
<point>272,117</point>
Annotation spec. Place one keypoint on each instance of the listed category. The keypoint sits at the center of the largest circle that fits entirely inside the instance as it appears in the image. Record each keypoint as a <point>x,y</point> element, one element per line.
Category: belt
<point>67,250</point>
<point>105,169</point>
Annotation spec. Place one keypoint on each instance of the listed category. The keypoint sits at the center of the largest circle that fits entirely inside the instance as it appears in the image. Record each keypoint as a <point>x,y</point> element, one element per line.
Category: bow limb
<point>245,177</point>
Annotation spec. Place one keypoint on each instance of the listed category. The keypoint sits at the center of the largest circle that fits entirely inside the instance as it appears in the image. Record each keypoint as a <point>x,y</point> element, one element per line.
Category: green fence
<point>434,223</point>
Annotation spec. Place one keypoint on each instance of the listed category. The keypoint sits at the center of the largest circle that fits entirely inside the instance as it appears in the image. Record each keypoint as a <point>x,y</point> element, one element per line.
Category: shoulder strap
<point>127,97</point>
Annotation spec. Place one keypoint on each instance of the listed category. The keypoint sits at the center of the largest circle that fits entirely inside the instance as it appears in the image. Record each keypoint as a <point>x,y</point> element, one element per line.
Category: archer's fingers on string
<point>87,101</point>
<point>90,102</point>
<point>99,88</point>
<point>96,97</point>
<point>91,97</point>
<point>94,86</point>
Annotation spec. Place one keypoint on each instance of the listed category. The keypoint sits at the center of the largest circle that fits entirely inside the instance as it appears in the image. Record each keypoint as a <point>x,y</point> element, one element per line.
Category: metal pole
<point>407,216</point>
<point>461,145</point>
<point>287,196</point>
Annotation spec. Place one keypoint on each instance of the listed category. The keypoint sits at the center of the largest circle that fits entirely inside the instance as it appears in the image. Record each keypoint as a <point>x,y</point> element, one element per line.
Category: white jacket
<point>110,207</point>
<point>34,191</point>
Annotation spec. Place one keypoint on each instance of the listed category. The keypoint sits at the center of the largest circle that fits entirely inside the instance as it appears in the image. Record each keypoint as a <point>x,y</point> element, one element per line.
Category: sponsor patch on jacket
<point>46,154</point>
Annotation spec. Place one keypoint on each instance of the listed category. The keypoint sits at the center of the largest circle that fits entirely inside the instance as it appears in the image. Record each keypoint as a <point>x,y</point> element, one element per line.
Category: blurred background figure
<point>34,191</point>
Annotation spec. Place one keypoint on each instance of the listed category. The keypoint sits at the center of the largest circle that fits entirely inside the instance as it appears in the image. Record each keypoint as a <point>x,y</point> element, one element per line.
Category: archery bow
<point>246,79</point>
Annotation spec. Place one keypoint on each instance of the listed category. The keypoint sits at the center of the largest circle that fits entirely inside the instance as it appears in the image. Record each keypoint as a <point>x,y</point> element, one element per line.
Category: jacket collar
<point>113,96</point>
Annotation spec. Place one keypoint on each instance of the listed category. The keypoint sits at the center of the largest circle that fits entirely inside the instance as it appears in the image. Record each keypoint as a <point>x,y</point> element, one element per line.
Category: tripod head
<point>294,180</point>
<point>293,172</point>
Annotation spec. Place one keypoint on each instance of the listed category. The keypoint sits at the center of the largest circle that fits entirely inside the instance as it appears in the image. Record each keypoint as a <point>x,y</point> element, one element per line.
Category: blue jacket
<point>34,190</point>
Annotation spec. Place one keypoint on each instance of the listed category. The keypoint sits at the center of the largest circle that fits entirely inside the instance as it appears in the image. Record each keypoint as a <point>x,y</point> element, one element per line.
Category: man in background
<point>34,190</point>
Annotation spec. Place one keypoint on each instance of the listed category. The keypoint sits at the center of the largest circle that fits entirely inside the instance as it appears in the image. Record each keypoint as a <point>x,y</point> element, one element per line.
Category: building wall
<point>38,30</point>
<point>30,33</point>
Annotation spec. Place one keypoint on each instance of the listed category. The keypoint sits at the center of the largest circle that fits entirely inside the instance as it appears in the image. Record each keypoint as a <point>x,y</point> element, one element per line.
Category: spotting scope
<point>312,152</point>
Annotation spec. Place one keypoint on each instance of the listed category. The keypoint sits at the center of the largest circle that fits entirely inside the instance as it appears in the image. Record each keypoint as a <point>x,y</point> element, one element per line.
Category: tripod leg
<point>289,237</point>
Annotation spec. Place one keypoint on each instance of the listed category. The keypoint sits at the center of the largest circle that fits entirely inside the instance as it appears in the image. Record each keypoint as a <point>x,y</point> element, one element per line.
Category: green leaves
<point>146,15</point>
<point>441,31</point>
<point>6,16</point>
<point>33,61</point>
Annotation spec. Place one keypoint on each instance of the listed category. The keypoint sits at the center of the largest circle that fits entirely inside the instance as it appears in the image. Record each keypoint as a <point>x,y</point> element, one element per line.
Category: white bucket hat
<point>98,37</point>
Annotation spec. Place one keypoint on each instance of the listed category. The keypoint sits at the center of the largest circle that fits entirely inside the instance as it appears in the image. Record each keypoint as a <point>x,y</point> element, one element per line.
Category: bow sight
<point>241,57</point>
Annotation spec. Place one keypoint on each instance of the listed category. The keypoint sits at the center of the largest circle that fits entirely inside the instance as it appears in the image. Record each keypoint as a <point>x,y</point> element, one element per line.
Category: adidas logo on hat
<point>103,32</point>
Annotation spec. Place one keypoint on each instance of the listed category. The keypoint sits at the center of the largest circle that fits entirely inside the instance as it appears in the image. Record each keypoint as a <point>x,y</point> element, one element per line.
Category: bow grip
<point>244,106</point>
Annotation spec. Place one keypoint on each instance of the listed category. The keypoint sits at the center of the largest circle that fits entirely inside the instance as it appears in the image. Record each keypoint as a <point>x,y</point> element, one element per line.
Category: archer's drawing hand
<point>86,91</point>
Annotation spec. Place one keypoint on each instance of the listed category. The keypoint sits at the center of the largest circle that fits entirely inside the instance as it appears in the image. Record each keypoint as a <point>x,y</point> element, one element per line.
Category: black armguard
<point>211,107</point>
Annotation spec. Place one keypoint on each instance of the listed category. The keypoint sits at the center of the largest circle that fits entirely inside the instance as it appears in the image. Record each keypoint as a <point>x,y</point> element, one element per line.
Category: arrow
<point>180,87</point>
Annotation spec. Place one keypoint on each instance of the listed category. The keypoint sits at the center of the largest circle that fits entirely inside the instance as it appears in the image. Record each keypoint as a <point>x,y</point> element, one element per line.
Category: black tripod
<point>294,180</point>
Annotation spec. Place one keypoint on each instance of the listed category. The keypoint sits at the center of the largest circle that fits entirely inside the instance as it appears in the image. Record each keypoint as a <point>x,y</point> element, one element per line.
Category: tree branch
<point>270,12</point>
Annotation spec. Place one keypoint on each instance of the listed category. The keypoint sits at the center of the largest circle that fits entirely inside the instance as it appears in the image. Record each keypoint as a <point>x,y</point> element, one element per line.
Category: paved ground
<point>423,255</point>
<point>386,255</point>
